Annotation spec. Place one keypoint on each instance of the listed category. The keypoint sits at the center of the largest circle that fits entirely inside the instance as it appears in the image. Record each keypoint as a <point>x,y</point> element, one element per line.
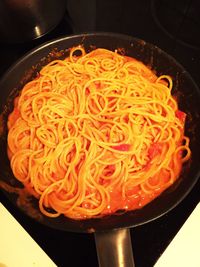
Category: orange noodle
<point>96,133</point>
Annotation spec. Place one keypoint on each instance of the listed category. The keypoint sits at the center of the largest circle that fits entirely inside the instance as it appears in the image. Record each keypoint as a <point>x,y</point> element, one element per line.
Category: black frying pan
<point>111,232</point>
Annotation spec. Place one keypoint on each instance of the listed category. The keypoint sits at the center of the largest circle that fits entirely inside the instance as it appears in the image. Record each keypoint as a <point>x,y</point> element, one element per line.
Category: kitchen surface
<point>174,26</point>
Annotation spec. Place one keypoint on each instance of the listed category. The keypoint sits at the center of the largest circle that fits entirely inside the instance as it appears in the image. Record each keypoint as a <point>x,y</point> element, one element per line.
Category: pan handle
<point>114,248</point>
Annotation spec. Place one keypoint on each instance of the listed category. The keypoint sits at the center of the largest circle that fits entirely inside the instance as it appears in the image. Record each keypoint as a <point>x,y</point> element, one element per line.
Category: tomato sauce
<point>133,200</point>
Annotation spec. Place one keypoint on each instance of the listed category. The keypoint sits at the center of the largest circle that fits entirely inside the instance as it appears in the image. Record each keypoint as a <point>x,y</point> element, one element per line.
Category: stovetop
<point>174,26</point>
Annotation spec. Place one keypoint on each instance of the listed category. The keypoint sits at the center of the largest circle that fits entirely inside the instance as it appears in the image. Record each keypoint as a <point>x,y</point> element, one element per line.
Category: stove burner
<point>179,19</point>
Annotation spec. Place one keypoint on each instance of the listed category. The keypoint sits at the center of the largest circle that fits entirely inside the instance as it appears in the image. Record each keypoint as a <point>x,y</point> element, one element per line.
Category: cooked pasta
<point>96,133</point>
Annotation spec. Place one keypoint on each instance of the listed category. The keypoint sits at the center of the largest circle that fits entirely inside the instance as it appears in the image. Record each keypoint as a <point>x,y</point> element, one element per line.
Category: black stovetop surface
<point>174,26</point>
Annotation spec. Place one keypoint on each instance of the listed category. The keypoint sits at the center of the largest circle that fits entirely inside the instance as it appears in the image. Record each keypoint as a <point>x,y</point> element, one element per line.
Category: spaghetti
<point>96,133</point>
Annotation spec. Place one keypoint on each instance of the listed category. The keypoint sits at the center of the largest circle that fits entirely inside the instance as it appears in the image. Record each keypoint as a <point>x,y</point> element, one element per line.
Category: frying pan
<point>111,232</point>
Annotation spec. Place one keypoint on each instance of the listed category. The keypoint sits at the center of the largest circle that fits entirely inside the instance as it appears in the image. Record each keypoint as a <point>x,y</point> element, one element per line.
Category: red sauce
<point>122,147</point>
<point>132,202</point>
<point>181,116</point>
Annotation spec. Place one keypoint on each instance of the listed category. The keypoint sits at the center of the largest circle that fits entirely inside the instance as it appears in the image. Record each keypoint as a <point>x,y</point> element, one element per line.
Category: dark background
<point>174,26</point>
